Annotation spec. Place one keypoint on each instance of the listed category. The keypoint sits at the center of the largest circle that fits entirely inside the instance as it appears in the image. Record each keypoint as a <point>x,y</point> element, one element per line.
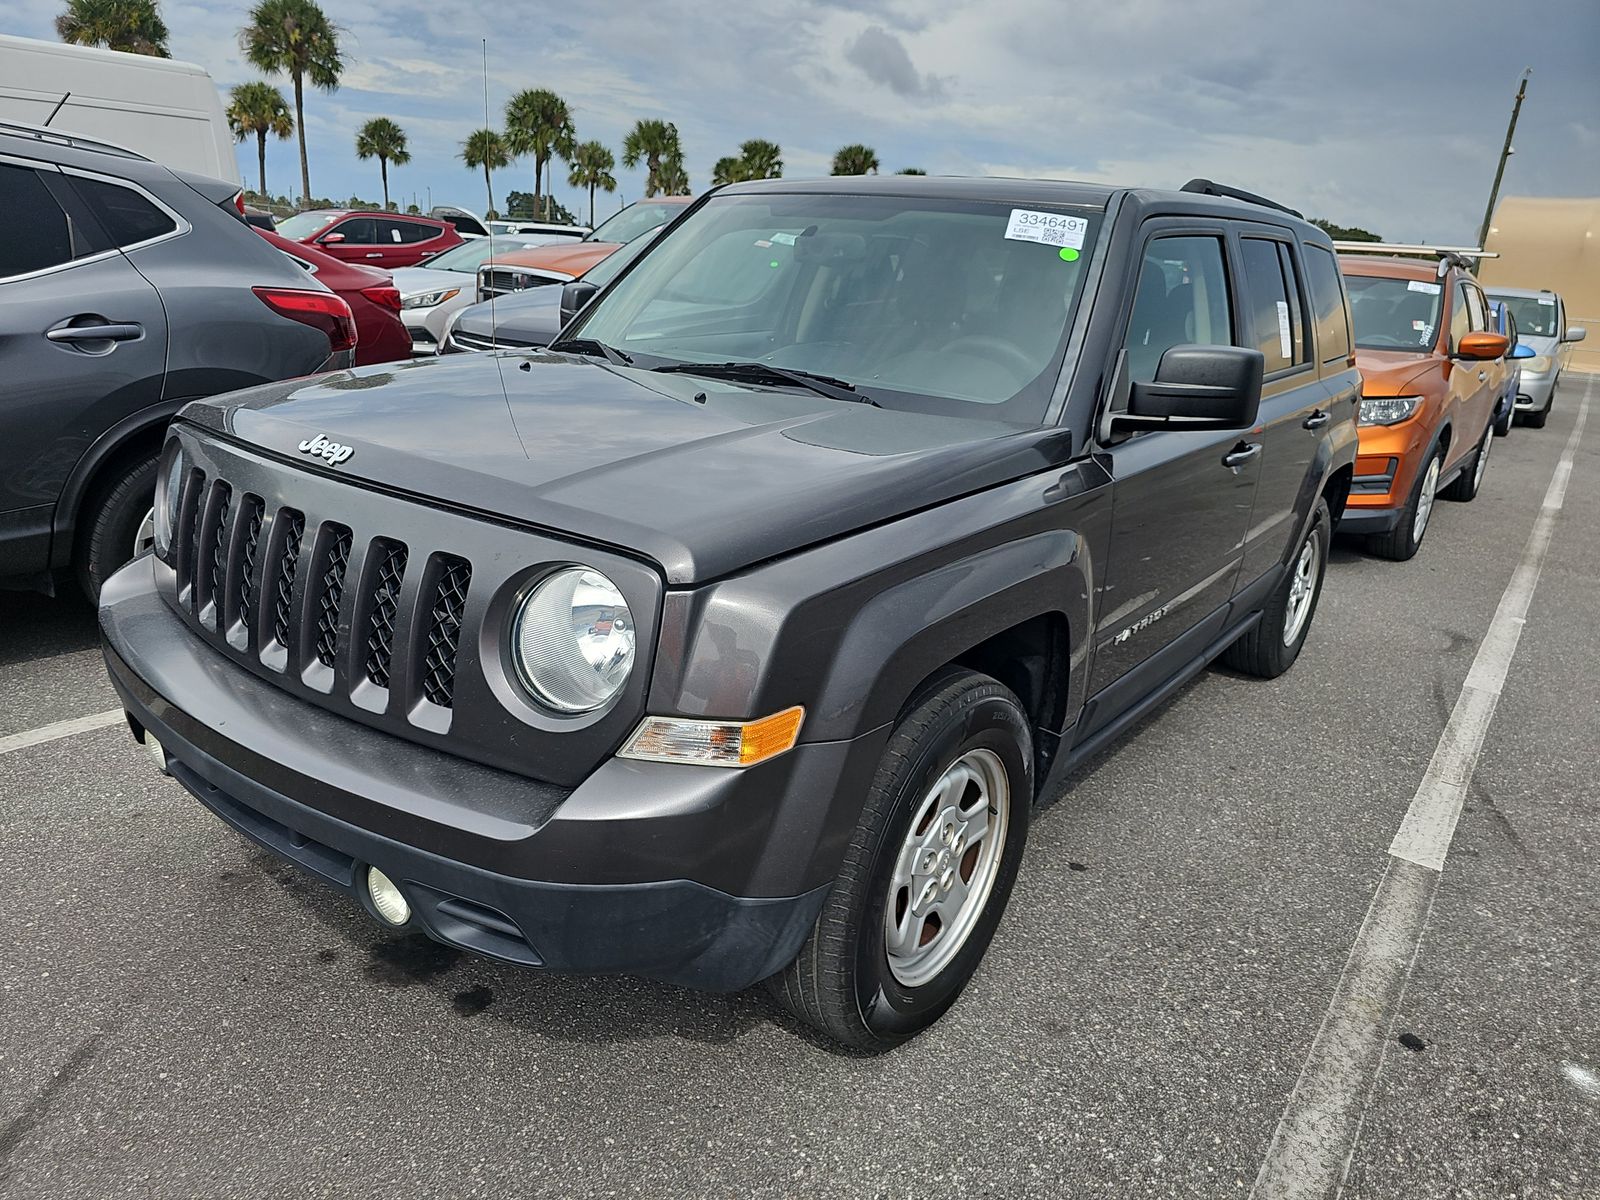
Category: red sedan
<point>380,334</point>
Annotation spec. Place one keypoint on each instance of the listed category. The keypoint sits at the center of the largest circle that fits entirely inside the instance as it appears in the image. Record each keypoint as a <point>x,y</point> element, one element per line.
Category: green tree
<point>134,26</point>
<point>674,175</point>
<point>296,38</point>
<point>762,159</point>
<point>382,139</point>
<point>1345,233</point>
<point>487,149</point>
<point>260,109</point>
<point>655,143</point>
<point>910,171</point>
<point>855,159</point>
<point>538,122</point>
<point>728,170</point>
<point>592,165</point>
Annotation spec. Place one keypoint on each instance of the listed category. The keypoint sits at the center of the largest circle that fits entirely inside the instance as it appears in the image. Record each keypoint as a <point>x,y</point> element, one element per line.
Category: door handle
<point>1316,420</point>
<point>1483,375</point>
<point>376,254</point>
<point>95,333</point>
<point>1240,455</point>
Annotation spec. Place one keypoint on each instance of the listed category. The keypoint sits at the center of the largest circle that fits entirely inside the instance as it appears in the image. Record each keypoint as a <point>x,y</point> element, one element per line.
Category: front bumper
<point>1533,392</point>
<point>608,877</point>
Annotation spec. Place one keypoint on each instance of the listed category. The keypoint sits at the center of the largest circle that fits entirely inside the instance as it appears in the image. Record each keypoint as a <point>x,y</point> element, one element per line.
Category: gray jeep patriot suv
<point>733,637</point>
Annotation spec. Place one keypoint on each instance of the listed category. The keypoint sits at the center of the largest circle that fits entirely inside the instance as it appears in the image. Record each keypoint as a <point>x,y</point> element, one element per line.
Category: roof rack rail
<point>59,137</point>
<point>1209,187</point>
<point>1464,257</point>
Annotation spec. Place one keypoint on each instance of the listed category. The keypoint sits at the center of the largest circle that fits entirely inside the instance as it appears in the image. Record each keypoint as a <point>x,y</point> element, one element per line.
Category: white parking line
<point>61,729</point>
<point>1316,1136</point>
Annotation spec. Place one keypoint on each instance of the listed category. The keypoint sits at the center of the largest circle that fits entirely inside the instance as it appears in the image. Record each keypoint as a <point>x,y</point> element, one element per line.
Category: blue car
<point>1502,321</point>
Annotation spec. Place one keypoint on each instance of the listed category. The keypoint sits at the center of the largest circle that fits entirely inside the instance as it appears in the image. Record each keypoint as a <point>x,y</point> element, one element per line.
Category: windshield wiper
<point>591,347</point>
<point>756,372</point>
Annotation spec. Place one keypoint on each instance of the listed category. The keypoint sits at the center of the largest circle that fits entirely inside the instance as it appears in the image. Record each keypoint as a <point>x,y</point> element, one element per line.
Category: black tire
<point>1502,426</point>
<point>1402,542</point>
<point>109,523</point>
<point>1262,651</point>
<point>1464,487</point>
<point>1536,420</point>
<point>842,983</point>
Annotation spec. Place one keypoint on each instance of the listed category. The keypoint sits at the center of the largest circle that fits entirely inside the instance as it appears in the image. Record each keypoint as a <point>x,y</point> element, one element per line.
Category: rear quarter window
<point>126,215</point>
<point>1327,304</point>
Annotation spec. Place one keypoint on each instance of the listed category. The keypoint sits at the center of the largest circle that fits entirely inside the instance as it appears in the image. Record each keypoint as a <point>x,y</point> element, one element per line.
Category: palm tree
<point>259,108</point>
<point>762,159</point>
<point>487,149</point>
<point>653,142</point>
<point>855,159</point>
<point>674,175</point>
<point>728,170</point>
<point>382,139</point>
<point>538,122</point>
<point>295,37</point>
<point>134,26</point>
<point>910,171</point>
<point>592,165</point>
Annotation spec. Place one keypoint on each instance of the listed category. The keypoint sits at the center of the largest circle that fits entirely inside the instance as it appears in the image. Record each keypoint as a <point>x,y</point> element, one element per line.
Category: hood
<point>572,259</point>
<point>530,318</point>
<point>1544,346</point>
<point>412,280</point>
<point>628,458</point>
<point>1396,372</point>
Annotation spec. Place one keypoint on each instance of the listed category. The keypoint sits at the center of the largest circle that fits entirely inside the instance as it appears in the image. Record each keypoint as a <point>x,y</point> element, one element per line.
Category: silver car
<point>436,287</point>
<point>1541,318</point>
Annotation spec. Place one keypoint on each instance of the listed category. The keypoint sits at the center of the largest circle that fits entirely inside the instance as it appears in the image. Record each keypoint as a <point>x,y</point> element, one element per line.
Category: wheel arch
<point>136,436</point>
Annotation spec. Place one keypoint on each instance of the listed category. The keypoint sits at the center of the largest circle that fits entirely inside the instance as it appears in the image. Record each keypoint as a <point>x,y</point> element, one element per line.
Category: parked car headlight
<point>573,640</point>
<point>167,502</point>
<point>429,299</point>
<point>1388,410</point>
<point>1538,364</point>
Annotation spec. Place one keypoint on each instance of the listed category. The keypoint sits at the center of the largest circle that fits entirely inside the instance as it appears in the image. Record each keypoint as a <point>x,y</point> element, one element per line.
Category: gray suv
<point>126,290</point>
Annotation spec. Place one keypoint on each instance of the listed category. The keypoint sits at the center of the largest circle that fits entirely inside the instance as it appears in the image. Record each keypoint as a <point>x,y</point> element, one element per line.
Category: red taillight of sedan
<point>383,297</point>
<point>320,310</point>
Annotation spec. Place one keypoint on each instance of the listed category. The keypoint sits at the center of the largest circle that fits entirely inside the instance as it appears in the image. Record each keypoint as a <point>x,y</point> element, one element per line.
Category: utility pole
<point>1505,153</point>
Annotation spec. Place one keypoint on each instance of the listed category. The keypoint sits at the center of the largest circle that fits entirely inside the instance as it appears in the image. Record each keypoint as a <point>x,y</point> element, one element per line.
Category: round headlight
<point>167,504</point>
<point>574,641</point>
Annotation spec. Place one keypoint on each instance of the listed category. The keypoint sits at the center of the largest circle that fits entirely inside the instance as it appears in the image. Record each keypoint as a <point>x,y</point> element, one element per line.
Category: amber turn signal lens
<point>715,743</point>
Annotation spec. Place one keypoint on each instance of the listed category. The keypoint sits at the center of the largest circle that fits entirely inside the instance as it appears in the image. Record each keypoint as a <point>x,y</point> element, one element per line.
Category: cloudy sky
<point>1382,113</point>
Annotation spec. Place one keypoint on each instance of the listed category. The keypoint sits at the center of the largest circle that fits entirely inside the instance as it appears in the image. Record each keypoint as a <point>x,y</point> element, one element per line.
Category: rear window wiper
<point>755,372</point>
<point>591,347</point>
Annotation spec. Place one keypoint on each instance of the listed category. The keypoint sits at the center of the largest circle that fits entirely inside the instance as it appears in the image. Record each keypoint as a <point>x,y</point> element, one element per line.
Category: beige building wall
<point>1545,242</point>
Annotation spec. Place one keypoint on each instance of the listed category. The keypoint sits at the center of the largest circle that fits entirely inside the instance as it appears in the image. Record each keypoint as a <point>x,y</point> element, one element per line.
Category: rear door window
<point>362,231</point>
<point>1273,301</point>
<point>127,216</point>
<point>37,236</point>
<point>1327,304</point>
<point>1181,299</point>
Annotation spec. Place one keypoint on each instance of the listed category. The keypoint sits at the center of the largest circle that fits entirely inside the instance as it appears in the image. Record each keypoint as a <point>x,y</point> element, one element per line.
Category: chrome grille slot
<point>294,531</point>
<point>385,611</point>
<point>211,553</point>
<point>330,592</point>
<point>451,578</point>
<point>252,515</point>
<point>186,538</point>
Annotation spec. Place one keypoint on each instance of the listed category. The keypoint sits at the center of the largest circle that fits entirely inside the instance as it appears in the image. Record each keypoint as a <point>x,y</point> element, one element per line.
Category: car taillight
<point>238,202</point>
<point>320,310</point>
<point>383,297</point>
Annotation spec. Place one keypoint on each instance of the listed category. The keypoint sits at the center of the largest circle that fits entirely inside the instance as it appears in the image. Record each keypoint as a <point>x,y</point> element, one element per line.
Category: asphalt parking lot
<point>181,1015</point>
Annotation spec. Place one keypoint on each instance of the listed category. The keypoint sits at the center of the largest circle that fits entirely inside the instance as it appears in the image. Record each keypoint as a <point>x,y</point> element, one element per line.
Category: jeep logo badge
<point>333,452</point>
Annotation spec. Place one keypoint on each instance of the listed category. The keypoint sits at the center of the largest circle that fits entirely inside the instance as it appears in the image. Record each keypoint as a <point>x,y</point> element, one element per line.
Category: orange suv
<point>1430,372</point>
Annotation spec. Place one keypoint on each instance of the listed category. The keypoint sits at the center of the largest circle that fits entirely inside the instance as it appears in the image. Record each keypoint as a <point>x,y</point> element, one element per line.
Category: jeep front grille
<point>444,629</point>
<point>385,610</point>
<point>330,592</point>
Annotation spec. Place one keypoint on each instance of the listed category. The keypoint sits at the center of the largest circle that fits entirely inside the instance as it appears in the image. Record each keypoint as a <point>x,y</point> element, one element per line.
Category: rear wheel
<point>112,524</point>
<point>1465,486</point>
<point>928,872</point>
<point>1536,420</point>
<point>1402,542</point>
<point>1270,648</point>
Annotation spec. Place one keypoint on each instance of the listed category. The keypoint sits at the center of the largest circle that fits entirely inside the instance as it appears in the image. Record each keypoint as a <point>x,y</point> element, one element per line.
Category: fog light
<point>156,751</point>
<point>386,898</point>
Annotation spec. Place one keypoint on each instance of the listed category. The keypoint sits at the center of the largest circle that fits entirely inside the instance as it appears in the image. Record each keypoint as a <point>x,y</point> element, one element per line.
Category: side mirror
<point>575,297</point>
<point>1480,347</point>
<point>1197,387</point>
<point>332,239</point>
<point>1523,350</point>
<point>1574,333</point>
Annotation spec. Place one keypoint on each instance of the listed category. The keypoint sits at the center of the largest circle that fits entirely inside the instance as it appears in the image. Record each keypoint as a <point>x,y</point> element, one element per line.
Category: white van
<point>167,111</point>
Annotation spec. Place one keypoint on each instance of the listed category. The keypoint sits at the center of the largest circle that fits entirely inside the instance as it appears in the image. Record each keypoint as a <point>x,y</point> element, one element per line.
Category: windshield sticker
<point>1419,325</point>
<point>1068,254</point>
<point>1423,286</point>
<point>1051,229</point>
<point>784,239</point>
<point>1546,300</point>
<point>1427,335</point>
<point>1285,340</point>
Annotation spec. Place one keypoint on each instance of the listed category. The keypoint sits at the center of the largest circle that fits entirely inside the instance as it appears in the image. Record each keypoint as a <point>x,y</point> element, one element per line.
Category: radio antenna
<point>494,328</point>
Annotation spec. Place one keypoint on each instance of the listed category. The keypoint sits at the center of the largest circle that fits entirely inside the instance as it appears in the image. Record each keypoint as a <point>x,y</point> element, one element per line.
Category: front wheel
<point>1271,646</point>
<point>928,872</point>
<point>114,526</point>
<point>1402,542</point>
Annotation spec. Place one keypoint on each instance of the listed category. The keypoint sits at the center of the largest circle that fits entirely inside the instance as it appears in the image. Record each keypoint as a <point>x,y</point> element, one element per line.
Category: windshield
<point>928,304</point>
<point>609,267</point>
<point>303,225</point>
<point>1535,315</point>
<point>632,221</point>
<point>1394,314</point>
<point>466,258</point>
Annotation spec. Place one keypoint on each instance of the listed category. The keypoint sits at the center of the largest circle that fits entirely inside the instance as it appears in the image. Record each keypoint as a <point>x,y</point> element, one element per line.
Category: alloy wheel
<point>1430,487</point>
<point>1303,587</point>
